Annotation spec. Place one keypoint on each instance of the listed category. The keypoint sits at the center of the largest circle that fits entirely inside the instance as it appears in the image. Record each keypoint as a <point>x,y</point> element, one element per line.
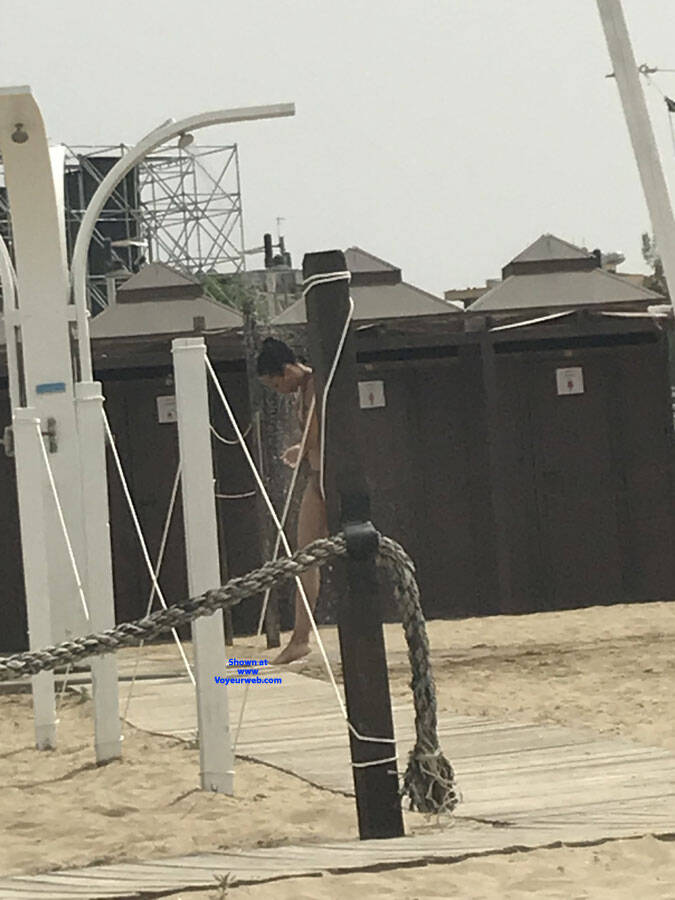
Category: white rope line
<point>62,522</point>
<point>141,539</point>
<point>277,523</point>
<point>157,569</point>
<point>374,762</point>
<point>558,315</point>
<point>329,278</point>
<point>225,440</point>
<point>241,496</point>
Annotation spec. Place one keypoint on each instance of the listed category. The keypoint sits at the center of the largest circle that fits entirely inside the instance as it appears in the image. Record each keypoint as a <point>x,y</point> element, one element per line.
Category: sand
<point>606,669</point>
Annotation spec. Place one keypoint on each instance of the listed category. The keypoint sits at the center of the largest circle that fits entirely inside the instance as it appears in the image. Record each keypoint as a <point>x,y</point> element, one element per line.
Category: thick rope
<point>429,781</point>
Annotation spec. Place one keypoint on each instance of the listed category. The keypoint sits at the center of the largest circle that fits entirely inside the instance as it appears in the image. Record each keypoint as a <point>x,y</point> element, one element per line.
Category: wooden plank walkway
<point>523,786</point>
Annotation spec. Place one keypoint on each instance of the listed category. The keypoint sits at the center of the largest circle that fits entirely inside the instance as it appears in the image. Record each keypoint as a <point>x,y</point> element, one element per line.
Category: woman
<point>280,370</point>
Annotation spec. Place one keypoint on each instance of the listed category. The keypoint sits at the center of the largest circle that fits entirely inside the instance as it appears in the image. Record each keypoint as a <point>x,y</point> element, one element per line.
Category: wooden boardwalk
<point>523,786</point>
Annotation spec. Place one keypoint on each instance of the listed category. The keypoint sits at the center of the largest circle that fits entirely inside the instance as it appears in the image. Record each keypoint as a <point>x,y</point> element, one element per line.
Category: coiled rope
<point>429,780</point>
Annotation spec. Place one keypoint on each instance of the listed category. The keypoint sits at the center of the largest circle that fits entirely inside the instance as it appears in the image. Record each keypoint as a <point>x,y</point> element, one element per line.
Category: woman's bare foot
<point>293,650</point>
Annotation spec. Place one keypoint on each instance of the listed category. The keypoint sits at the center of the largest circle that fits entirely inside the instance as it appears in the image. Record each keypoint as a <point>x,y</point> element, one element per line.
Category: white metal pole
<point>29,477</point>
<point>146,145</point>
<point>98,581</point>
<point>641,134</point>
<point>203,560</point>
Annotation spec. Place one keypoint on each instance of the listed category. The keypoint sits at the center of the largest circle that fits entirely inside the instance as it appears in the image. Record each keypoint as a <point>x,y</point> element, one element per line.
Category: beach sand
<point>603,669</point>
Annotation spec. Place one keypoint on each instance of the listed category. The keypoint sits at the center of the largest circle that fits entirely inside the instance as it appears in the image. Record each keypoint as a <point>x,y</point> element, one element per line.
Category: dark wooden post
<point>364,663</point>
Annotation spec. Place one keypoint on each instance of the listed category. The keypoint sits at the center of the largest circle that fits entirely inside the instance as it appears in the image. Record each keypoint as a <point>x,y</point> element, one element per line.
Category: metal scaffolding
<point>180,206</point>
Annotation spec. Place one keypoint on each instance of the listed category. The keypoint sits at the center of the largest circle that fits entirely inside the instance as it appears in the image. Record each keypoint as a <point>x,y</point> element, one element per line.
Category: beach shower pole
<point>41,389</point>
<point>89,394</point>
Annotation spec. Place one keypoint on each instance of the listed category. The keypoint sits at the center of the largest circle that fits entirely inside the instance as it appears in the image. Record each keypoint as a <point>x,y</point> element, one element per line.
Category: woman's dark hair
<point>274,356</point>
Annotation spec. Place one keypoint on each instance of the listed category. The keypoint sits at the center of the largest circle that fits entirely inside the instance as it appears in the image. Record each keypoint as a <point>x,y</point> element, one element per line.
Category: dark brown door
<point>149,454</point>
<point>447,553</point>
<point>576,485</point>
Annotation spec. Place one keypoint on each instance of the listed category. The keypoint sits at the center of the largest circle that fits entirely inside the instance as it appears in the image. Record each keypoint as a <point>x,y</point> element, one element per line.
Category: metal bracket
<point>362,539</point>
<point>8,440</point>
<point>50,434</point>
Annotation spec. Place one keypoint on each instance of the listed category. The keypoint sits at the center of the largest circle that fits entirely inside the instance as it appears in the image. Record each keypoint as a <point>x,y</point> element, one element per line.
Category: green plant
<point>235,292</point>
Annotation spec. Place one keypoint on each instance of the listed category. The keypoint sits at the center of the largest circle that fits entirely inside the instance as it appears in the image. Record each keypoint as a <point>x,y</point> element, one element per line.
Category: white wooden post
<point>30,478</point>
<point>641,134</point>
<point>203,560</point>
<point>97,576</point>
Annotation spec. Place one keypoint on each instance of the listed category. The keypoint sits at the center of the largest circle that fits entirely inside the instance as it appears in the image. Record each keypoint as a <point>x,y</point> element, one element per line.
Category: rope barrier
<point>429,780</point>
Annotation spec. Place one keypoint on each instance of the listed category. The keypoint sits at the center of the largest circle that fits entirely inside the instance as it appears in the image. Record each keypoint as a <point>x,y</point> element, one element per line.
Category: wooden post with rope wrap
<point>364,663</point>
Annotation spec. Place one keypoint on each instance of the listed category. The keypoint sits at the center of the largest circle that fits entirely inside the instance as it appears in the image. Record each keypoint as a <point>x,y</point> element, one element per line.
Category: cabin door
<point>575,479</point>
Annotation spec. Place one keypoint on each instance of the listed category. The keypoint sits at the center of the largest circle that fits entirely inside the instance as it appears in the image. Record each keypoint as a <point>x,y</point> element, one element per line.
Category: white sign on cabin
<point>371,394</point>
<point>570,381</point>
<point>166,409</point>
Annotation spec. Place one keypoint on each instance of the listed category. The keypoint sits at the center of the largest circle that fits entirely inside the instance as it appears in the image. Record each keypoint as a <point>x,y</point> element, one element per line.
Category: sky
<point>441,136</point>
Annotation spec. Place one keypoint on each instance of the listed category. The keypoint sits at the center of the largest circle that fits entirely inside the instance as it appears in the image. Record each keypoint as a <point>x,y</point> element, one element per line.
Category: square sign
<point>371,394</point>
<point>166,409</point>
<point>570,381</point>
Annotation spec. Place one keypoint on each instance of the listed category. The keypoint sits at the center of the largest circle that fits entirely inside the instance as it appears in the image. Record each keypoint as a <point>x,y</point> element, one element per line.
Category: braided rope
<point>429,781</point>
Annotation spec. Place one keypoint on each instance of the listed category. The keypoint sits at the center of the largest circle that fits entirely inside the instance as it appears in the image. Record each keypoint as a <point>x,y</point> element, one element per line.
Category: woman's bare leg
<point>311,525</point>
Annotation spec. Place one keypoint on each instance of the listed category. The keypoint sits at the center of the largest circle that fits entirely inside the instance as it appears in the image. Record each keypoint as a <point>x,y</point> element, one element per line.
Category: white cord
<point>141,539</point>
<point>62,521</point>
<point>315,280</point>
<point>157,569</point>
<point>225,440</point>
<point>241,496</point>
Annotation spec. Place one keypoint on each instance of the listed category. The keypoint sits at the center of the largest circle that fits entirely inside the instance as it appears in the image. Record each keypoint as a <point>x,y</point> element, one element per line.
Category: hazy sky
<point>442,136</point>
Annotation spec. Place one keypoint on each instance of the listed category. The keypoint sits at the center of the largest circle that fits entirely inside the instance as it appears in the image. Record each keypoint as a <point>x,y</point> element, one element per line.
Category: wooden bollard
<point>364,663</point>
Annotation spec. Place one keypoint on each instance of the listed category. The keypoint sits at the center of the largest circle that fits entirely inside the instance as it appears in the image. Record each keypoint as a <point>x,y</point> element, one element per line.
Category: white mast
<point>641,134</point>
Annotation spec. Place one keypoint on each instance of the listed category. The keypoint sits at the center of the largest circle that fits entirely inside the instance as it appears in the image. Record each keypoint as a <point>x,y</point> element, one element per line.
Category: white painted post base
<point>97,571</point>
<point>30,485</point>
<point>203,560</point>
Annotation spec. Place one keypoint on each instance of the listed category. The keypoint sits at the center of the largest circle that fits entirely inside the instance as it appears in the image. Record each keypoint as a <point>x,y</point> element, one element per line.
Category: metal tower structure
<point>180,205</point>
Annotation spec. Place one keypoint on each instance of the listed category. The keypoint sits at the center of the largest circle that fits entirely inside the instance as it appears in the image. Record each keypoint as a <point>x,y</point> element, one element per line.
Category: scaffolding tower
<point>181,206</point>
